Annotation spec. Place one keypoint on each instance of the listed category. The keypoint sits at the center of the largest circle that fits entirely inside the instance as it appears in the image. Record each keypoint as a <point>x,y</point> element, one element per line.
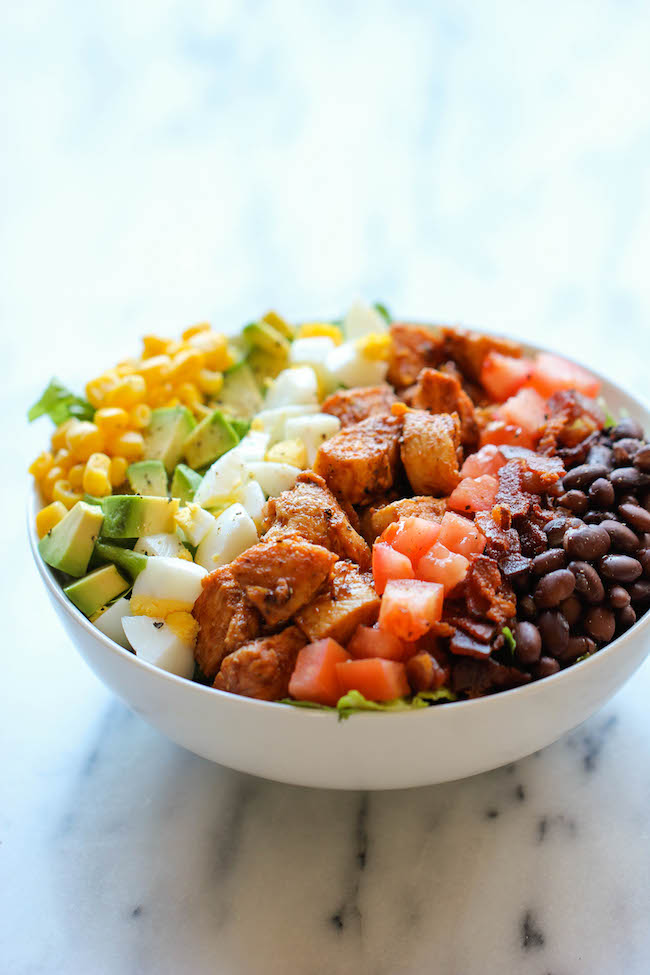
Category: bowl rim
<point>531,689</point>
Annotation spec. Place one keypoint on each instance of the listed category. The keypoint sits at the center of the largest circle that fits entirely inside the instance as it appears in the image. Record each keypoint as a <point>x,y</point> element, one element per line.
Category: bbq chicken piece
<point>429,452</point>
<point>354,405</point>
<point>361,461</point>
<point>226,620</point>
<point>349,601</point>
<point>263,668</point>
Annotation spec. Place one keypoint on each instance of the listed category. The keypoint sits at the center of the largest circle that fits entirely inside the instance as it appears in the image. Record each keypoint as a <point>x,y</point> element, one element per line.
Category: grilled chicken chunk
<point>310,510</point>
<point>429,446</point>
<point>468,349</point>
<point>226,620</point>
<point>278,577</point>
<point>361,461</point>
<point>440,392</point>
<point>376,520</point>
<point>336,613</point>
<point>354,405</point>
<point>414,347</point>
<point>262,669</point>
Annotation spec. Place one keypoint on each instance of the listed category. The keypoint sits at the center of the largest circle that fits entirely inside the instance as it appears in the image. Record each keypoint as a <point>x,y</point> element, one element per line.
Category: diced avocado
<point>69,545</point>
<point>240,395</point>
<point>279,324</point>
<point>241,427</point>
<point>167,431</point>
<point>131,562</point>
<point>264,366</point>
<point>91,499</point>
<point>148,477</point>
<point>96,589</point>
<point>209,440</point>
<point>261,335</point>
<point>130,515</point>
<point>185,483</point>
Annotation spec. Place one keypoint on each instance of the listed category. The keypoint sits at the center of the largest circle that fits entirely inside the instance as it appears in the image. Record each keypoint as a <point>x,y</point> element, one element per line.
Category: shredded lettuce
<point>383,311</point>
<point>60,405</point>
<point>511,643</point>
<point>354,702</point>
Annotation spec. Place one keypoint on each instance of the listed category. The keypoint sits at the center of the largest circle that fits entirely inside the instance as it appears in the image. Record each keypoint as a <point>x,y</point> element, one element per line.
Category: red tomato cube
<point>389,564</point>
<point>487,460</point>
<point>376,679</point>
<point>503,375</point>
<point>370,641</point>
<point>461,535</point>
<point>552,373</point>
<point>314,676</point>
<point>409,607</point>
<point>411,536</point>
<point>474,494</point>
<point>526,410</point>
<point>499,432</point>
<point>441,565</point>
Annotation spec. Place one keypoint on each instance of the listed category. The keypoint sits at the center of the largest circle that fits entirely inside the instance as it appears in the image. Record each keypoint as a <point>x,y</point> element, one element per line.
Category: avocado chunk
<point>148,477</point>
<point>96,589</point>
<point>240,396</point>
<point>69,545</point>
<point>264,366</point>
<point>261,335</point>
<point>209,440</point>
<point>130,515</point>
<point>167,431</point>
<point>185,483</point>
<point>241,427</point>
<point>131,562</point>
<point>279,324</point>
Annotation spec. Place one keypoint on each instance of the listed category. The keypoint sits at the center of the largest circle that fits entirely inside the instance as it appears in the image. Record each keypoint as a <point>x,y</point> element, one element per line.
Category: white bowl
<point>368,750</point>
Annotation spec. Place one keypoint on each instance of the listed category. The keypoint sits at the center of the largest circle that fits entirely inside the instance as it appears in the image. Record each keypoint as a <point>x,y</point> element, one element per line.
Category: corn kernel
<point>63,458</point>
<point>129,391</point>
<point>186,365</point>
<point>215,349</point>
<point>129,444</point>
<point>50,516</point>
<point>210,382</point>
<point>312,330</point>
<point>196,330</point>
<point>118,470</point>
<point>59,435</point>
<point>75,476</point>
<point>126,368</point>
<point>97,389</point>
<point>111,419</point>
<point>63,492</point>
<point>375,345</point>
<point>154,369</point>
<point>96,476</point>
<point>279,323</point>
<point>47,484</point>
<point>153,345</point>
<point>291,452</point>
<point>140,416</point>
<point>200,411</point>
<point>173,347</point>
<point>39,468</point>
<point>188,394</point>
<point>84,439</point>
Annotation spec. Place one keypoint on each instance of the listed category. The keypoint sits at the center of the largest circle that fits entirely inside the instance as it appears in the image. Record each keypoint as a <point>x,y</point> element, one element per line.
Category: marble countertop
<point>171,162</point>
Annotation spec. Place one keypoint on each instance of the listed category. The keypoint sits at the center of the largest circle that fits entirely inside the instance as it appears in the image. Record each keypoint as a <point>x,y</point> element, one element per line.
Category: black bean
<point>627,427</point>
<point>588,542</point>
<point>642,459</point>
<point>529,643</point>
<point>546,667</point>
<point>554,558</point>
<point>622,538</point>
<point>625,451</point>
<point>621,568</point>
<point>588,582</point>
<point>583,475</point>
<point>526,608</point>
<point>554,587</point>
<point>635,516</point>
<point>618,597</point>
<point>625,618</point>
<point>644,500</point>
<point>576,501</point>
<point>640,591</point>
<point>602,493</point>
<point>628,498</point>
<point>556,528</point>
<point>572,609</point>
<point>554,630</point>
<point>597,516</point>
<point>601,454</point>
<point>628,478</point>
<point>644,558</point>
<point>577,646</point>
<point>600,623</point>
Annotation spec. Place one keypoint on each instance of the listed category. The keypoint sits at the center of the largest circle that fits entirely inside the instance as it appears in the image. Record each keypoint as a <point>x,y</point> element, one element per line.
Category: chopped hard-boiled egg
<point>156,642</point>
<point>313,431</point>
<point>169,582</point>
<point>109,621</point>
<point>274,478</point>
<point>350,367</point>
<point>163,543</point>
<point>293,386</point>
<point>252,497</point>
<point>274,421</point>
<point>314,352</point>
<point>222,480</point>
<point>232,533</point>
<point>253,446</point>
<point>194,521</point>
<point>362,319</point>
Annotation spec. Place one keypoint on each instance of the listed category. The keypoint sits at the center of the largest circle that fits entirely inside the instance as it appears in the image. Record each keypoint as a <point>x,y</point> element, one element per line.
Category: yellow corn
<point>154,369</point>
<point>188,394</point>
<point>47,484</point>
<point>111,420</point>
<point>61,432</point>
<point>50,516</point>
<point>200,411</point>
<point>186,365</point>
<point>129,444</point>
<point>195,330</point>
<point>153,345</point>
<point>210,382</point>
<point>39,468</point>
<point>214,348</point>
<point>118,470</point>
<point>62,458</point>
<point>140,416</point>
<point>75,476</point>
<point>84,439</point>
<point>97,389</point>
<point>64,492</point>
<point>375,345</point>
<point>311,330</point>
<point>126,368</point>
<point>96,478</point>
<point>129,391</point>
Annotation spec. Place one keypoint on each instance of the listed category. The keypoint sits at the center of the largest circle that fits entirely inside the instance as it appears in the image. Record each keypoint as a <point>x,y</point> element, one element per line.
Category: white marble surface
<point>165,162</point>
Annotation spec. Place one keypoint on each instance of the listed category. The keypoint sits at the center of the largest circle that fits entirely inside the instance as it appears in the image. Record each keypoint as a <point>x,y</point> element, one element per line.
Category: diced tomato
<point>409,607</point>
<point>503,375</point>
<point>474,494</point>
<point>376,679</point>
<point>389,564</point>
<point>487,460</point>
<point>370,641</point>
<point>461,535</point>
<point>552,373</point>
<point>499,432</point>
<point>526,410</point>
<point>314,676</point>
<point>441,565</point>
<point>411,536</point>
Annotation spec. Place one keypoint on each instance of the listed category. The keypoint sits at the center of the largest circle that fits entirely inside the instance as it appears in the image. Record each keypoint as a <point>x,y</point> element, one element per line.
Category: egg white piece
<point>253,445</point>
<point>273,477</point>
<point>154,641</point>
<point>232,533</point>
<point>350,367</point>
<point>252,497</point>
<point>313,431</point>
<point>274,422</point>
<point>293,386</point>
<point>361,320</point>
<point>314,352</point>
<point>170,578</point>
<point>194,522</point>
<point>221,480</point>
<point>110,621</point>
<point>167,544</point>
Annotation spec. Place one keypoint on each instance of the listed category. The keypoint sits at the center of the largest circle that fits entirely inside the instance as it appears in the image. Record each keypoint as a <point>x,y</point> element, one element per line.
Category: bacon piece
<point>462,644</point>
<point>480,630</point>
<point>500,541</point>
<point>572,418</point>
<point>487,593</point>
<point>476,678</point>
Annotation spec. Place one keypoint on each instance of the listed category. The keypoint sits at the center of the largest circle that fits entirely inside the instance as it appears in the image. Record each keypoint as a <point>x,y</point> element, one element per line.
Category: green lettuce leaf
<point>383,311</point>
<point>511,643</point>
<point>353,702</point>
<point>60,405</point>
